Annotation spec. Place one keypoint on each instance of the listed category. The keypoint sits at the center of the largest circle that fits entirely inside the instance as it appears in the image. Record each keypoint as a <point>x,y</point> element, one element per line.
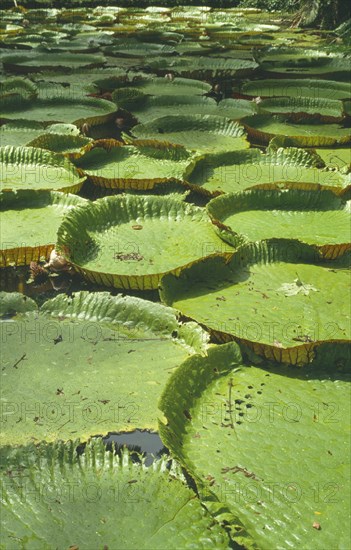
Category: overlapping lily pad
<point>89,364</point>
<point>106,500</point>
<point>277,296</point>
<point>263,128</point>
<point>37,169</point>
<point>202,133</point>
<point>30,220</point>
<point>139,166</point>
<point>269,443</point>
<point>281,167</point>
<point>130,241</point>
<point>314,217</point>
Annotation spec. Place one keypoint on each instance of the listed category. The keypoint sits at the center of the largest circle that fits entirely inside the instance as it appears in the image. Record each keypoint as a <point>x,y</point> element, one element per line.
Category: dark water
<point>142,442</point>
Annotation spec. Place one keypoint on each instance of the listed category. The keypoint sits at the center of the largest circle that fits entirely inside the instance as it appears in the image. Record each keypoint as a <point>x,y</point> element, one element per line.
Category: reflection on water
<point>140,441</point>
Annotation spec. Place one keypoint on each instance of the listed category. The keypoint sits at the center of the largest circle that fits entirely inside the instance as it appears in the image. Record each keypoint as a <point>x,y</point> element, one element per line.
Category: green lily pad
<point>336,158</point>
<point>130,241</point>
<point>318,218</point>
<point>129,48</point>
<point>67,144</point>
<point>206,67</point>
<point>61,109</point>
<point>263,128</point>
<point>14,87</point>
<point>202,133</point>
<point>317,89</point>
<point>159,86</point>
<point>282,167</point>
<point>244,298</point>
<point>109,501</point>
<point>20,132</point>
<point>37,169</point>
<point>77,371</point>
<point>299,62</point>
<point>139,166</point>
<point>146,108</point>
<point>327,110</point>
<point>270,443</point>
<point>46,61</point>
<point>30,220</point>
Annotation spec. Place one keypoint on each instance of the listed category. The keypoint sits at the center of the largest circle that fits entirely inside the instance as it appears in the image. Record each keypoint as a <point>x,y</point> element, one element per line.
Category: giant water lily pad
<point>282,167</point>
<point>61,109</point>
<point>207,67</point>
<point>202,133</point>
<point>276,295</point>
<point>270,443</point>
<point>316,89</point>
<point>315,217</point>
<point>32,168</point>
<point>14,87</point>
<point>20,132</point>
<point>88,364</point>
<point>30,220</point>
<point>263,128</point>
<point>300,108</point>
<point>138,49</point>
<point>98,499</point>
<point>336,158</point>
<point>146,109</point>
<point>67,144</point>
<point>161,86</point>
<point>47,61</point>
<point>130,241</point>
<point>139,166</point>
<point>299,62</point>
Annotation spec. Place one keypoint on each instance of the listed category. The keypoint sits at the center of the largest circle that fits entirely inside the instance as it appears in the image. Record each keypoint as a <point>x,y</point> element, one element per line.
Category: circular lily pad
<point>282,167</point>
<point>37,169</point>
<point>67,144</point>
<point>47,61</point>
<point>263,128</point>
<point>61,109</point>
<point>30,220</point>
<point>300,108</point>
<point>88,364</point>
<point>203,133</point>
<point>277,296</point>
<point>159,86</point>
<point>316,89</point>
<point>139,166</point>
<point>269,443</point>
<point>109,500</point>
<point>20,132</point>
<point>130,241</point>
<point>314,217</point>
